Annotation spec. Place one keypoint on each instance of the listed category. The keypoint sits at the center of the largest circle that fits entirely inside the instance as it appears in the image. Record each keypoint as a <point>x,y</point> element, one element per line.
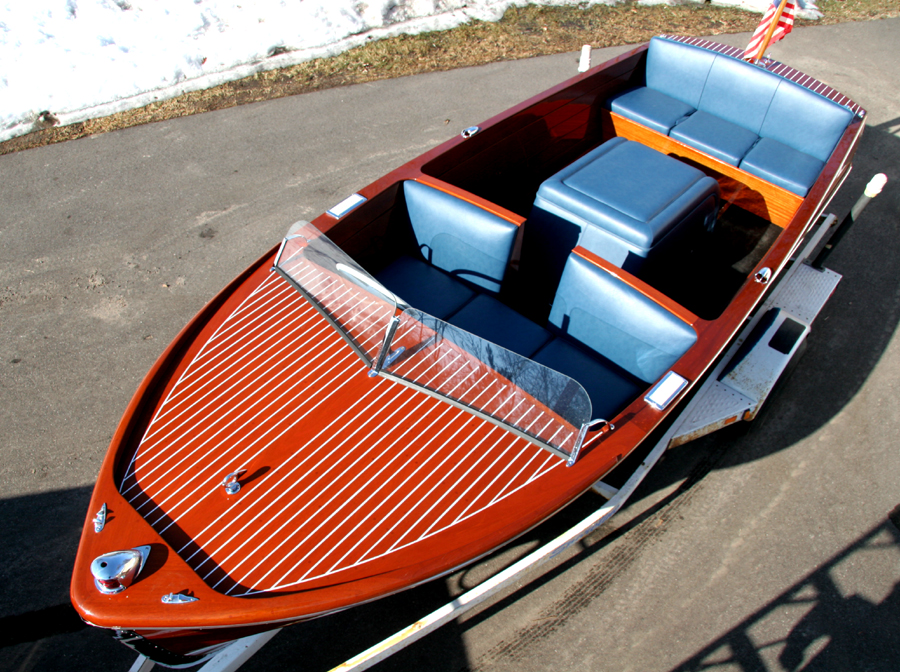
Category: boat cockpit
<point>585,238</point>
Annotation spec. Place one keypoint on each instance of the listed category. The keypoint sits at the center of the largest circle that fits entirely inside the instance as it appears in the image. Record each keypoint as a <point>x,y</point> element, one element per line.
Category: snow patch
<point>65,61</point>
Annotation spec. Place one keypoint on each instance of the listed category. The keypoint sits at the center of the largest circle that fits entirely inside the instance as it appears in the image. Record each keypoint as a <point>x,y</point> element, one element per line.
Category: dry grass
<point>522,33</point>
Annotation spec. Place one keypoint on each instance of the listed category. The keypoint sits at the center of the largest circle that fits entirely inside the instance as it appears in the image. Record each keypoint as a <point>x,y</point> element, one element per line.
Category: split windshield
<point>397,341</point>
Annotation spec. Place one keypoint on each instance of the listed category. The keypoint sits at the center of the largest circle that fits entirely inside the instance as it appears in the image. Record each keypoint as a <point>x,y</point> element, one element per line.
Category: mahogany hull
<point>357,487</point>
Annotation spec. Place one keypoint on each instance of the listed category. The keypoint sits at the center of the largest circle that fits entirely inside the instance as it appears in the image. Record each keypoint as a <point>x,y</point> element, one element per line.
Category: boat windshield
<point>397,341</point>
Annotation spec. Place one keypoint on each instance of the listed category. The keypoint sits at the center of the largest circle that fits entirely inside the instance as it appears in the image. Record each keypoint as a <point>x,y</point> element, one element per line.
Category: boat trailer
<point>734,390</point>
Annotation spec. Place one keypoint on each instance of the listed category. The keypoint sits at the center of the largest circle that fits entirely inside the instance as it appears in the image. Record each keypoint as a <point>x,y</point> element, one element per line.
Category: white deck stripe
<point>250,388</point>
<point>175,387</point>
<point>501,495</point>
<point>295,345</point>
<point>475,482</point>
<point>229,347</point>
<point>173,403</point>
<point>239,387</point>
<point>226,458</point>
<point>440,499</point>
<point>275,566</point>
<point>448,409</point>
<point>334,465</point>
<point>397,455</point>
<point>365,324</point>
<point>390,514</point>
<point>472,450</point>
<point>213,480</point>
<point>274,487</point>
<point>262,303</point>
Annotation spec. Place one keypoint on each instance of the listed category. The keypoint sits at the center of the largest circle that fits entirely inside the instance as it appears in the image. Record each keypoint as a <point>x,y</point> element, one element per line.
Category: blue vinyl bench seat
<point>496,322</point>
<point>609,387</point>
<point>651,108</point>
<point>737,112</point>
<point>717,137</point>
<point>425,287</point>
<point>611,338</point>
<point>628,202</point>
<point>615,320</point>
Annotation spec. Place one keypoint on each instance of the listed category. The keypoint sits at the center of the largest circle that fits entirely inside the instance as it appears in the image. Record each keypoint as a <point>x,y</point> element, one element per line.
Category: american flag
<point>757,44</point>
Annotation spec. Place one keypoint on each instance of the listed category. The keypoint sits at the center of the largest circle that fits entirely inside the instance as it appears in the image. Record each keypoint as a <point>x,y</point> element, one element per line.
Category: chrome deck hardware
<point>583,433</point>
<point>763,276</point>
<point>114,572</point>
<point>178,598</point>
<point>231,484</point>
<point>100,518</point>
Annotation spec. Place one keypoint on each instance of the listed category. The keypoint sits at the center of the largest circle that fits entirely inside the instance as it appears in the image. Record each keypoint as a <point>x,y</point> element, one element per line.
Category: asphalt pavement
<point>773,545</point>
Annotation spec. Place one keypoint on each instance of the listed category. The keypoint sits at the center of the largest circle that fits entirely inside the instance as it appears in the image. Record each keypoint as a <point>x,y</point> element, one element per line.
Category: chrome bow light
<point>114,572</point>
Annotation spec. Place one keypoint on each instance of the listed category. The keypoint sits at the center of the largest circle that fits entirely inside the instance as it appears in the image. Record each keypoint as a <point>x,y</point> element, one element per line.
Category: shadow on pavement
<point>818,624</point>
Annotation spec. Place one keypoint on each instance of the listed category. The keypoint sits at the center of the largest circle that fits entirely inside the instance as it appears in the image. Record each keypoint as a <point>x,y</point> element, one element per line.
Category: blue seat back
<point>459,237</point>
<point>738,92</point>
<point>618,322</point>
<point>746,95</point>
<point>678,70</point>
<point>805,120</point>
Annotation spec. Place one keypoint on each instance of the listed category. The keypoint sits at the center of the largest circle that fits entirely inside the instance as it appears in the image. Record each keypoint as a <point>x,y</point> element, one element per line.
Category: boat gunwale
<point>601,450</point>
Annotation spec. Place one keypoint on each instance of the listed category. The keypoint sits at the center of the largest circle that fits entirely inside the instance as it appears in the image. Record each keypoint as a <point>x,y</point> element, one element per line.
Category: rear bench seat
<point>737,112</point>
<point>456,240</point>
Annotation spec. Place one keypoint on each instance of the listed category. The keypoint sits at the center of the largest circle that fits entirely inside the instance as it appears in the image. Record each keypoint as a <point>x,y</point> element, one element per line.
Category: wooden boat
<point>456,352</point>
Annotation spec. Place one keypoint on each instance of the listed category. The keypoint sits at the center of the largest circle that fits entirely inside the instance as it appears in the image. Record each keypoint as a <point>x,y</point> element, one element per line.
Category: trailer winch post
<point>873,188</point>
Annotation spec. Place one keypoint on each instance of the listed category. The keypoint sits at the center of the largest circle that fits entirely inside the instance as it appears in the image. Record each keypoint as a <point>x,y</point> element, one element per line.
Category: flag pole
<point>771,31</point>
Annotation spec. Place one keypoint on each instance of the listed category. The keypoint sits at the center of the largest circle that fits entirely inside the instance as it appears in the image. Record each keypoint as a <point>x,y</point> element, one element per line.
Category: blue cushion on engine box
<point>625,200</point>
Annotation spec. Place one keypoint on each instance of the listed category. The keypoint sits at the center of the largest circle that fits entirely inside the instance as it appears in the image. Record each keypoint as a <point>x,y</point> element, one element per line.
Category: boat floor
<point>702,272</point>
<point>707,269</point>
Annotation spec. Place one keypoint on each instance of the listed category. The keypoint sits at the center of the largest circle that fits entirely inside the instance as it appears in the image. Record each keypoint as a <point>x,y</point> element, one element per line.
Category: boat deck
<point>379,475</point>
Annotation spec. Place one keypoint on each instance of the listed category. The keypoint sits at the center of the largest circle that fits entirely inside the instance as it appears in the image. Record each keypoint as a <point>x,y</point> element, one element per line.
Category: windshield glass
<point>356,304</point>
<point>402,343</point>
